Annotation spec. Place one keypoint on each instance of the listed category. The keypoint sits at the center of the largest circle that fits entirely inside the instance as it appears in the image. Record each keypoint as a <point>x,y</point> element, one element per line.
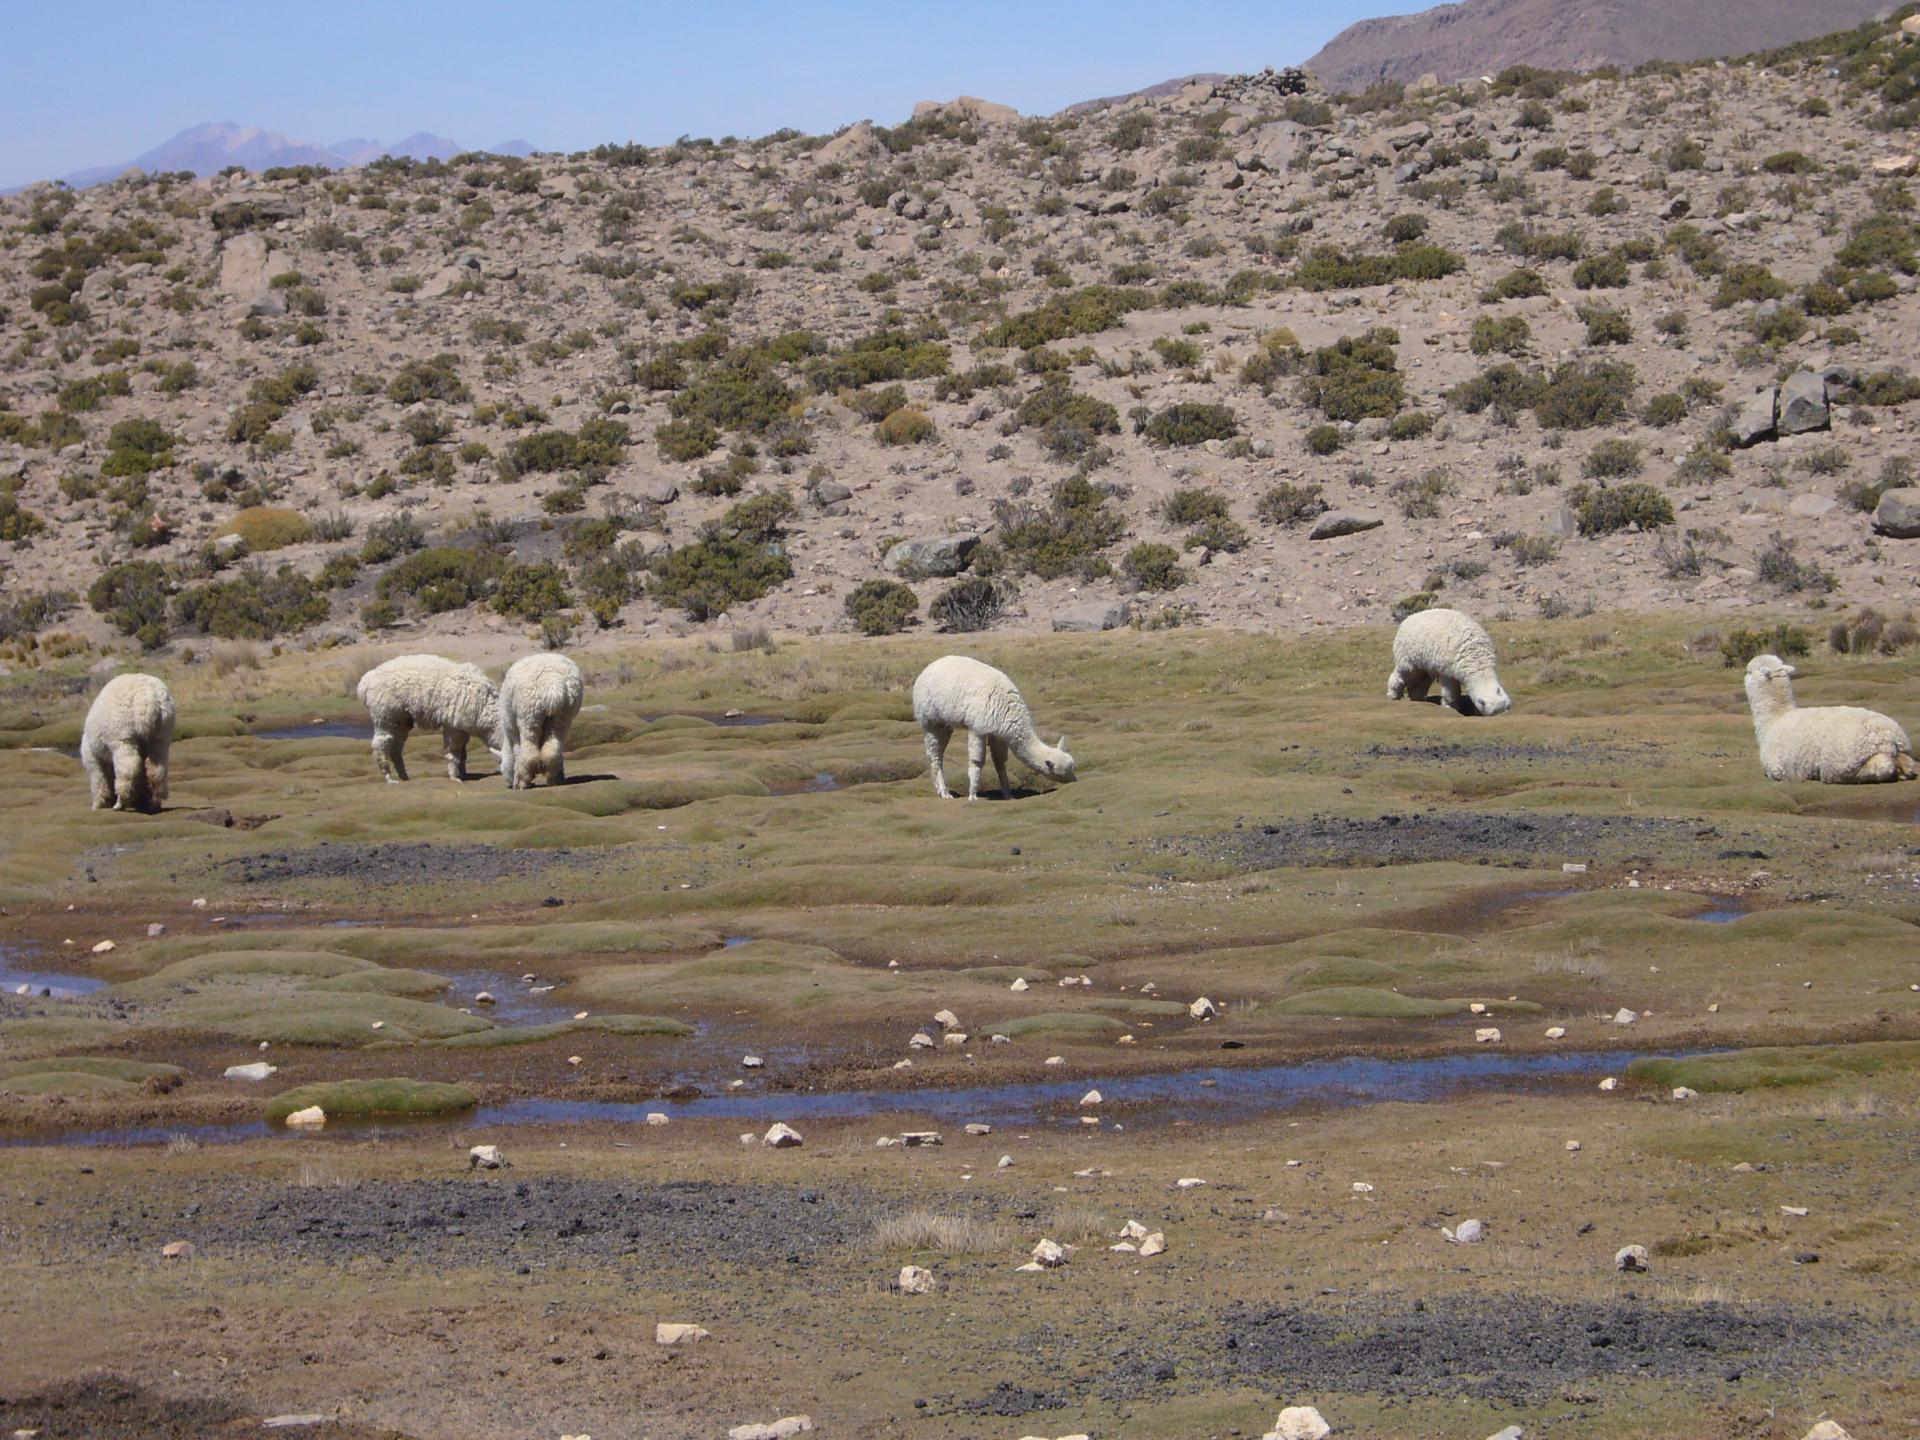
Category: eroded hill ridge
<point>1232,355</point>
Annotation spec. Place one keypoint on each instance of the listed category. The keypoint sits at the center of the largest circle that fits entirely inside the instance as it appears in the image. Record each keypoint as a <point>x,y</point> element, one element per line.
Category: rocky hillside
<point>1229,356</point>
<point>1482,37</point>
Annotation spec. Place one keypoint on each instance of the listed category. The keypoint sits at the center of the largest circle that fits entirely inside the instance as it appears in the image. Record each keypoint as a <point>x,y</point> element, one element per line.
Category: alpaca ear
<point>1063,743</point>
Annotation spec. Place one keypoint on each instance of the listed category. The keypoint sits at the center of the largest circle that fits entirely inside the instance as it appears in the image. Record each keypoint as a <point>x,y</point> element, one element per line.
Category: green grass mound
<point>1363,1002</point>
<point>1349,971</point>
<point>504,1035</point>
<point>353,1099</point>
<point>761,974</point>
<point>37,1035</point>
<point>82,1075</point>
<point>1066,1023</point>
<point>1772,1066</point>
<point>317,1017</point>
<point>1141,1007</point>
<point>412,984</point>
<point>251,965</point>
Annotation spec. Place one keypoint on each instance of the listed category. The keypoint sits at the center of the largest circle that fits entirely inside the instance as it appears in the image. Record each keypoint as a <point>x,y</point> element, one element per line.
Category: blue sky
<point>98,81</point>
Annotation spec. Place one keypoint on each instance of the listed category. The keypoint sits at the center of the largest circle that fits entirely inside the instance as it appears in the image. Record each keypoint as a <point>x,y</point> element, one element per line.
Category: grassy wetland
<point>1426,940</point>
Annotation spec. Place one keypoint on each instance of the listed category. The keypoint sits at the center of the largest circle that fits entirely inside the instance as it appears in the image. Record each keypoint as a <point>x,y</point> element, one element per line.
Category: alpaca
<point>956,692</point>
<point>1836,744</point>
<point>538,701</point>
<point>1452,648</point>
<point>427,690</point>
<point>125,742</point>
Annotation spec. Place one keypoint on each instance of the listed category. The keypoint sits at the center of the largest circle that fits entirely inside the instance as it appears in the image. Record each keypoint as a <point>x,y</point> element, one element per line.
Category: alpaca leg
<point>976,758</point>
<point>157,768</point>
<point>1449,692</point>
<point>937,737</point>
<point>555,751</point>
<point>1415,684</point>
<point>99,767</point>
<point>453,745</point>
<point>1397,685</point>
<point>129,777</point>
<point>526,757</point>
<point>997,748</point>
<point>390,748</point>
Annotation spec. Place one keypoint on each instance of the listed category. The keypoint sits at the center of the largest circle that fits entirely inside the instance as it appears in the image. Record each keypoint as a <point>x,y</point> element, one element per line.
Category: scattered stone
<point>978,1128</point>
<point>1573,1147</point>
<point>1361,1187</point>
<point>751,1062</point>
<point>103,947</point>
<point>1091,617</point>
<point>1203,1009</point>
<point>667,1333</point>
<point>1512,1432</point>
<point>313,1116</point>
<point>1049,1254</point>
<point>1092,1097</point>
<point>1190,1182</point>
<point>1631,1258</point>
<point>1019,984</point>
<point>1803,403</point>
<point>1338,523</point>
<point>915,1138</point>
<point>487,1157</point>
<point>1897,516</point>
<point>1556,1032</point>
<point>155,930</point>
<point>937,557</point>
<point>1154,1244</point>
<point>658,1117</point>
<point>781,1429</point>
<point>1299,1422</point>
<point>1829,1429</point>
<point>1467,1232</point>
<point>314,1417</point>
<point>257,1070</point>
<point>1610,1084</point>
<point>177,1250</point>
<point>1486,1036</point>
<point>1624,1016</point>
<point>946,1019</point>
<point>1685,1092</point>
<point>915,1280</point>
<point>1755,421</point>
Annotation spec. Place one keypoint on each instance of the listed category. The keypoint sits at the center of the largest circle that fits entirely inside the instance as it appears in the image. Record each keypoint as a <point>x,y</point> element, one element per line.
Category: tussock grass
<point>1772,1066</point>
<point>81,1075</point>
<point>353,1099</point>
<point>923,1230</point>
<point>1363,1002</point>
<point>507,1035</point>
<point>1070,1024</point>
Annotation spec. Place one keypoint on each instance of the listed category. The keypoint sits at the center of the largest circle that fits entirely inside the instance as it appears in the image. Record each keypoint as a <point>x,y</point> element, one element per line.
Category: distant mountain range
<point>211,148</point>
<point>1481,37</point>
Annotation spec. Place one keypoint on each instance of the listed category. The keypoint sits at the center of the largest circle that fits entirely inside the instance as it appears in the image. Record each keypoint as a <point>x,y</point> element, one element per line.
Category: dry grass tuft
<point>949,1234</point>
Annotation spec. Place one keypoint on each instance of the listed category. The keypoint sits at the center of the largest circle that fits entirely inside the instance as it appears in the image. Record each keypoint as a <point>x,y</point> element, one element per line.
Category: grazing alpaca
<point>538,700</point>
<point>958,693</point>
<point>1837,744</point>
<point>125,741</point>
<point>415,690</point>
<point>1452,648</point>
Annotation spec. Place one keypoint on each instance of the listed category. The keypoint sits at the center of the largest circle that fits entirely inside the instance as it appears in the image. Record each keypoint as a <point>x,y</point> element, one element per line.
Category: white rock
<point>199,902</point>
<point>1092,1097</point>
<point>1467,1232</point>
<point>1609,1084</point>
<point>999,1040</point>
<point>752,1062</point>
<point>1556,1032</point>
<point>1006,1163</point>
<point>1124,1040</point>
<point>919,1137</point>
<point>1830,1429</point>
<point>1685,1092</point>
<point>915,1280</point>
<point>177,1250</point>
<point>1573,1147</point>
<point>1714,1009</point>
<point>379,1025</point>
<point>658,1117</point>
<point>1799,1210</point>
<point>781,1136</point>
<point>486,1157</point>
<point>921,1041</point>
<point>1190,1182</point>
<point>1361,1187</point>
<point>1630,1258</point>
<point>1019,983</point>
<point>903,1064</point>
<point>258,1070</point>
<point>313,1116</point>
<point>485,997</point>
<point>1486,1036</point>
<point>1203,1009</point>
<point>1055,1060</point>
<point>1154,1244</point>
<point>1125,1247</point>
<point>1049,1254</point>
<point>956,1037</point>
<point>666,1333</point>
<point>1133,1230</point>
<point>1624,1016</point>
<point>1476,1008</point>
<point>1512,1432</point>
<point>1299,1422</point>
<point>155,930</point>
<point>782,1429</point>
<point>978,1128</point>
<point>946,1019</point>
<point>103,947</point>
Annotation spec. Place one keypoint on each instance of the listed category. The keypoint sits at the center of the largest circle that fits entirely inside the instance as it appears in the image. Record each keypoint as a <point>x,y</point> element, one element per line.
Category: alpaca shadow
<point>1463,706</point>
<point>586,779</point>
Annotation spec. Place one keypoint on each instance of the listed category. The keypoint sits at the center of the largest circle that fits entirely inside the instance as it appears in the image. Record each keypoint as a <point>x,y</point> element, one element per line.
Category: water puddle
<point>1723,909</point>
<point>819,784</point>
<point>320,730</point>
<point>21,975</point>
<point>516,1000</point>
<point>728,719</point>
<point>1889,804</point>
<point>1213,1093</point>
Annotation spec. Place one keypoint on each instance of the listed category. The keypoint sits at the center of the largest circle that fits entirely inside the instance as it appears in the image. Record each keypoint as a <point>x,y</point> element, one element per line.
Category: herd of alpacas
<point>129,728</point>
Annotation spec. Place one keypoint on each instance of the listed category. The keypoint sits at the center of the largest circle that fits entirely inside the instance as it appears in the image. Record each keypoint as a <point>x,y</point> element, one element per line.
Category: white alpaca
<point>538,699</point>
<point>1450,647</point>
<point>1837,744</point>
<point>412,690</point>
<point>954,693</point>
<point>125,742</point>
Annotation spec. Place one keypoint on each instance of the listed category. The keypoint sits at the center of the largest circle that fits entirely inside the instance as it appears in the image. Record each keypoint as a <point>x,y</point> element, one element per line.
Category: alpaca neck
<point>1769,704</point>
<point>1032,750</point>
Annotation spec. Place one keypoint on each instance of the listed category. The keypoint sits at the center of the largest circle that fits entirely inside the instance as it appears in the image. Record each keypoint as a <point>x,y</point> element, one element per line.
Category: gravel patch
<point>401,863</point>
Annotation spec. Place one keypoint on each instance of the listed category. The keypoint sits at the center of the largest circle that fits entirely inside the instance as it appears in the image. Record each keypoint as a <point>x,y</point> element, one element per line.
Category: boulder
<point>1812,507</point>
<point>258,1070</point>
<point>486,1157</point>
<point>656,490</point>
<point>312,1116</point>
<point>933,557</point>
<point>1755,421</point>
<point>668,1333</point>
<point>251,210</point>
<point>1336,523</point>
<point>1630,1258</point>
<point>1203,1009</point>
<point>1299,1422</point>
<point>855,145</point>
<point>782,1429</point>
<point>1271,148</point>
<point>177,1250</point>
<point>246,266</point>
<point>1832,1429</point>
<point>1049,1254</point>
<point>915,1280</point>
<point>1898,513</point>
<point>1467,1232</point>
<point>1154,1244</point>
<point>1803,404</point>
<point>782,1137</point>
<point>1091,616</point>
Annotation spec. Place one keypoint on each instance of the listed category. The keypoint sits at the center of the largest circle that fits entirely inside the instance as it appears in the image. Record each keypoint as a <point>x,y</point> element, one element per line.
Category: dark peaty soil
<point>105,1408</point>
<point>407,863</point>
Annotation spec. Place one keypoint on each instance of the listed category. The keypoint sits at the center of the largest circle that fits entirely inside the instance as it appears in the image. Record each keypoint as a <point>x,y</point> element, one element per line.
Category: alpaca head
<point>1054,762</point>
<point>1769,681</point>
<point>1487,696</point>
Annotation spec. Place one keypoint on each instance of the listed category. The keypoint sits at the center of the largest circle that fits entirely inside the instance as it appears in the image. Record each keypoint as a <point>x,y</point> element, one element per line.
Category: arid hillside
<point>1480,37</point>
<point>1230,356</point>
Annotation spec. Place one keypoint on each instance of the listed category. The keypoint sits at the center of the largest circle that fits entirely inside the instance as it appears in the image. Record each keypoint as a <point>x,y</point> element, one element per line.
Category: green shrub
<point>1420,498</point>
<point>1665,409</point>
<point>1582,394</point>
<point>905,427</point>
<point>1413,604</point>
<point>87,393</point>
<point>1086,311</point>
<point>882,607</point>
<point>1747,283</point>
<point>1191,507</point>
<point>1056,403</point>
<point>875,403</point>
<point>1603,510</point>
<point>1531,550</point>
<point>1325,439</point>
<point>1289,504</point>
<point>971,603</point>
<point>1783,640</point>
<point>1410,425</point>
<point>1356,378</point>
<point>441,579</point>
<point>1601,272</point>
<point>1191,424</point>
<point>736,560</point>
<point>1505,389</point>
<point>1778,565</point>
<point>16,521</point>
<point>435,379</point>
<point>1521,284</point>
<point>1505,334</point>
<point>132,597</point>
<point>253,605</point>
<point>1402,228</point>
<point>684,440</point>
<point>1151,566</point>
<point>1063,537</point>
<point>1613,460</point>
<point>1605,325</point>
<point>531,592</point>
